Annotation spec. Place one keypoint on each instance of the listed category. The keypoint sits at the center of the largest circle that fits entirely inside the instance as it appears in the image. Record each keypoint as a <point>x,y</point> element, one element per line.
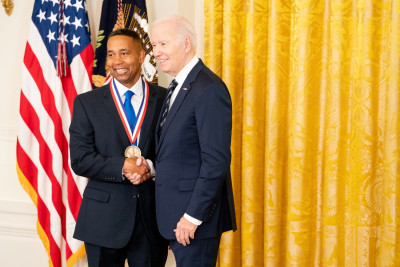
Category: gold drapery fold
<point>315,86</point>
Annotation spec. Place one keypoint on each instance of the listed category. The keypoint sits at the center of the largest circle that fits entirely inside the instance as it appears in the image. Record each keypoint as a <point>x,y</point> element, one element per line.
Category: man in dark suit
<point>194,200</point>
<point>117,215</point>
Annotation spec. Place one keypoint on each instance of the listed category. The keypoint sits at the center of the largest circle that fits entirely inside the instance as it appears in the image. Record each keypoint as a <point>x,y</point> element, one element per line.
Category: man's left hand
<point>184,231</point>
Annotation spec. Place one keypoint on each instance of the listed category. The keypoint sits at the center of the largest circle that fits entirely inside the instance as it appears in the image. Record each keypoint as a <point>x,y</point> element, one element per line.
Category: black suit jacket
<point>193,157</point>
<point>97,143</point>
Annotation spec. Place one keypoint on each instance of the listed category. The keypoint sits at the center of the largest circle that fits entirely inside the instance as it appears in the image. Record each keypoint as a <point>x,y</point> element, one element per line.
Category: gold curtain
<point>315,86</point>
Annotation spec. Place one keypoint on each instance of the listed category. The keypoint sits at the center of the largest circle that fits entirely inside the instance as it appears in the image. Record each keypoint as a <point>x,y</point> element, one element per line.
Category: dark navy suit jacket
<point>97,143</point>
<point>193,157</point>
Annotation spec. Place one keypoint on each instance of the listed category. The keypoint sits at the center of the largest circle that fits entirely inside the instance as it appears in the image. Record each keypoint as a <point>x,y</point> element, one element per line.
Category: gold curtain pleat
<point>315,87</point>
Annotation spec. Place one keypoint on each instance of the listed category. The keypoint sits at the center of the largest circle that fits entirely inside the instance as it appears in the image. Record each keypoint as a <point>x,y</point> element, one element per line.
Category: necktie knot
<point>128,95</point>
<point>172,85</point>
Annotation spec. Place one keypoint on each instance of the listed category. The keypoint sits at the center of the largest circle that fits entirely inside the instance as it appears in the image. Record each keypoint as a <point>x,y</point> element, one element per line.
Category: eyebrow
<point>121,50</point>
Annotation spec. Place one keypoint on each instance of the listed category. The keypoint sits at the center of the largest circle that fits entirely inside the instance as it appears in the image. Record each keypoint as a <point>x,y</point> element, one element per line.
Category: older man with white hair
<point>194,199</point>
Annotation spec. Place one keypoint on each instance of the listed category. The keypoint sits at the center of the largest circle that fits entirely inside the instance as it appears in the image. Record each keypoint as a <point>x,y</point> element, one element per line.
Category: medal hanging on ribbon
<point>132,134</point>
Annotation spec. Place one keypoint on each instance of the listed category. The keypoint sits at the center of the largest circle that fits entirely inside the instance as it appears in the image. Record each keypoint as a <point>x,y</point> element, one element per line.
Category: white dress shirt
<point>136,99</point>
<point>180,78</point>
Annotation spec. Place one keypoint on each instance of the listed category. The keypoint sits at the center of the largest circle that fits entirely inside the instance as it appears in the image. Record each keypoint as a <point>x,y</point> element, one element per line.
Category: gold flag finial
<point>8,6</point>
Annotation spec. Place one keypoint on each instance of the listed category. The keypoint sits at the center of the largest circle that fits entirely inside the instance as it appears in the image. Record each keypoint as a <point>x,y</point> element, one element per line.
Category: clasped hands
<point>136,170</point>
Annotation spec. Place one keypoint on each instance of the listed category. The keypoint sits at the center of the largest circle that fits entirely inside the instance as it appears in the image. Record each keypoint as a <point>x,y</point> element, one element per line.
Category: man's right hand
<point>136,170</point>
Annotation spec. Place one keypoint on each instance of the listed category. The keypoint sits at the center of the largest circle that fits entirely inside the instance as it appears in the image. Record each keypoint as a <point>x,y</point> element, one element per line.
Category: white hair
<point>183,27</point>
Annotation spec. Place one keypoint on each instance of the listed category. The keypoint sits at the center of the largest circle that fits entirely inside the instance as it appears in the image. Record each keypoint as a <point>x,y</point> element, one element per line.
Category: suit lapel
<point>148,118</point>
<point>184,90</point>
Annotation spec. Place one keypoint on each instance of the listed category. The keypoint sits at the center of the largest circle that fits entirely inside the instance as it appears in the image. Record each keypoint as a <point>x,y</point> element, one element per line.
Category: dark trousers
<point>199,253</point>
<point>139,251</point>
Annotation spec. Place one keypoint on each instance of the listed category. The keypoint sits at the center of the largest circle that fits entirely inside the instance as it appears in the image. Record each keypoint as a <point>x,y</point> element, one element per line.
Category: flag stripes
<point>46,104</point>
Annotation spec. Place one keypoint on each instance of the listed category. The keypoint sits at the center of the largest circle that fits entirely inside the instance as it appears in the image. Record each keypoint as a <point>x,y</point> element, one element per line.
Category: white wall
<point>20,245</point>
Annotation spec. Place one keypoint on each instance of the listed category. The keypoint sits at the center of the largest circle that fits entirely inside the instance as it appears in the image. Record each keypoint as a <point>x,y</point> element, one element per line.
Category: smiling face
<point>171,50</point>
<point>124,59</point>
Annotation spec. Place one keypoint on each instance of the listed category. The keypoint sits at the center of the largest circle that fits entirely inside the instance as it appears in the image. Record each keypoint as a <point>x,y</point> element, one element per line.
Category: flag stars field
<point>55,2</point>
<point>66,20</point>
<point>72,21</point>
<point>67,3</point>
<point>50,36</point>
<point>78,5</point>
<point>41,15</point>
<point>77,23</point>
<point>75,40</point>
<point>63,37</point>
<point>52,18</point>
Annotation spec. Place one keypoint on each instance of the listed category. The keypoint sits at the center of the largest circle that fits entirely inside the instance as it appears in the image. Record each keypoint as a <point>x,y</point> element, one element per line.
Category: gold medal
<point>132,151</point>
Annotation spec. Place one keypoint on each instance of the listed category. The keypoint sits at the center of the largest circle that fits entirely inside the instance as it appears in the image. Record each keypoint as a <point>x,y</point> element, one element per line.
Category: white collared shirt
<point>137,89</point>
<point>180,78</point>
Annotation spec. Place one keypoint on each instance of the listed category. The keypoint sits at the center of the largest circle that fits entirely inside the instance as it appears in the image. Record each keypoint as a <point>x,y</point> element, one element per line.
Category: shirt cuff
<point>191,219</point>
<point>152,169</point>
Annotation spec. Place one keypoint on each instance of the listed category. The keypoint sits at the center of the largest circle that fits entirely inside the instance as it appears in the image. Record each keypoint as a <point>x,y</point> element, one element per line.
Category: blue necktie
<point>130,112</point>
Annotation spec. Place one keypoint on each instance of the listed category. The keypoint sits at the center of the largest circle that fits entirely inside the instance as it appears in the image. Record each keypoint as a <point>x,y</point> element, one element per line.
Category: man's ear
<point>142,55</point>
<point>187,42</point>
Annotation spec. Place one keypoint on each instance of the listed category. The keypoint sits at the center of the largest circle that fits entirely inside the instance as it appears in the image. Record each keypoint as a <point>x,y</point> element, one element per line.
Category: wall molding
<point>17,231</point>
<point>17,219</point>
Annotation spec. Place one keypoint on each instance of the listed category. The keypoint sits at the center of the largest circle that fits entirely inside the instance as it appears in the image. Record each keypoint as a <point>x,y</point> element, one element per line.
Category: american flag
<point>45,114</point>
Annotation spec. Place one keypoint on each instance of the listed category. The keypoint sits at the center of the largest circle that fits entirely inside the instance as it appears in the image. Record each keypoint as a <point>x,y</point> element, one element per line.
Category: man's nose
<point>156,52</point>
<point>117,59</point>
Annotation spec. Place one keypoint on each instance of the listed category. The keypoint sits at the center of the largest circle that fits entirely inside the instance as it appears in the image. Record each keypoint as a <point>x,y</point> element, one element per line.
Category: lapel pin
<point>184,89</point>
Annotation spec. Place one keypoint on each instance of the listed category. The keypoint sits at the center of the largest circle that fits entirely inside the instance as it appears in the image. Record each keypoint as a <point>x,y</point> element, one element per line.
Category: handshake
<point>136,170</point>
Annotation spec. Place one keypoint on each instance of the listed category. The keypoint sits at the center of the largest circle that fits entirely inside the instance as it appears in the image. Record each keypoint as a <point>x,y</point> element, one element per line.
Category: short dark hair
<point>129,33</point>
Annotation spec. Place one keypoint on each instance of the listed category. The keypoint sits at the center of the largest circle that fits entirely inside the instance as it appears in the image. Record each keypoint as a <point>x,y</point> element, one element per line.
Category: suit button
<point>135,196</point>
